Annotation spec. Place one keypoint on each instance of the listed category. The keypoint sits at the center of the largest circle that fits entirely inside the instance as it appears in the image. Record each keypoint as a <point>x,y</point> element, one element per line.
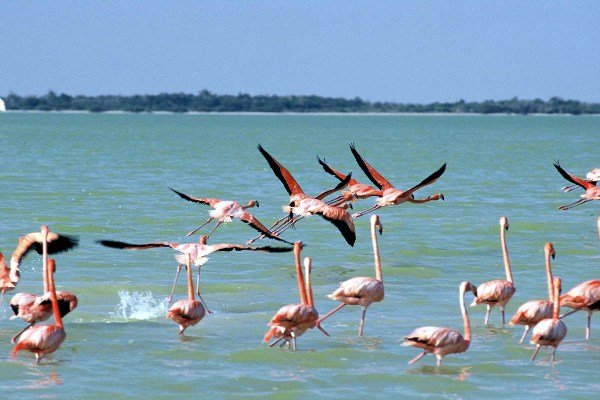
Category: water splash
<point>140,306</point>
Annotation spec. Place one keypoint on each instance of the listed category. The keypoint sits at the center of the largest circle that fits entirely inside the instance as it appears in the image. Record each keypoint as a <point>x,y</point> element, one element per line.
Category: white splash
<point>140,306</point>
<point>2,106</point>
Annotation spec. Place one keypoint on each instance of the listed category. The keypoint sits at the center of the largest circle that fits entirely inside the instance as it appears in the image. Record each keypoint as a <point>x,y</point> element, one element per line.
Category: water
<point>108,177</point>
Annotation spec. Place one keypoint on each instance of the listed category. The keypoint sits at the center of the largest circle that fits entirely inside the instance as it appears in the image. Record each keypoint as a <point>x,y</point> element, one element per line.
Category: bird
<point>592,177</point>
<point>226,211</point>
<point>362,290</point>
<point>303,205</point>
<point>550,331</point>
<point>586,297</point>
<point>391,195</point>
<point>187,312</point>
<point>592,192</point>
<point>6,284</point>
<point>443,341</point>
<point>32,308</point>
<point>533,311</point>
<point>498,292</point>
<point>44,339</point>
<point>292,320</point>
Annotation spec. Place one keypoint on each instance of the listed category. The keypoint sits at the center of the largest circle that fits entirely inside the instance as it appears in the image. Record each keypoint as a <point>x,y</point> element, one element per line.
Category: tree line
<point>206,101</point>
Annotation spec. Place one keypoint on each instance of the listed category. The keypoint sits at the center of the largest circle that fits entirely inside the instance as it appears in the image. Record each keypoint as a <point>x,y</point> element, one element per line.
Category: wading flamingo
<point>362,290</point>
<point>391,195</point>
<point>303,205</point>
<point>498,292</point>
<point>190,311</point>
<point>32,308</point>
<point>44,339</point>
<point>592,177</point>
<point>293,320</point>
<point>550,331</point>
<point>586,297</point>
<point>592,192</point>
<point>532,312</point>
<point>442,341</point>
<point>226,211</point>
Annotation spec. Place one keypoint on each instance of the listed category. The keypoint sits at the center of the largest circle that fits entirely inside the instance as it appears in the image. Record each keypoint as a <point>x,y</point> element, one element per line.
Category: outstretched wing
<point>130,246</point>
<point>283,174</point>
<point>342,220</point>
<point>33,241</point>
<point>256,224</point>
<point>240,247</point>
<point>334,172</point>
<point>572,178</point>
<point>371,172</point>
<point>207,201</point>
<point>427,181</point>
<point>339,186</point>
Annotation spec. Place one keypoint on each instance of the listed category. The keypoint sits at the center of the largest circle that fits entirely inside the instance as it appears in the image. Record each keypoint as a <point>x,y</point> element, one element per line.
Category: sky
<point>400,51</point>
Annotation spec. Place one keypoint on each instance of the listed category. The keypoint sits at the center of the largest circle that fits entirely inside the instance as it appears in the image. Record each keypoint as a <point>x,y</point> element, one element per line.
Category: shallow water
<point>107,176</point>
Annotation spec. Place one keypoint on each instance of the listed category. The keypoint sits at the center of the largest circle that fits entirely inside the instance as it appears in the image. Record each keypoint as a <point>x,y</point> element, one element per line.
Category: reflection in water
<point>370,343</point>
<point>43,380</point>
<point>460,373</point>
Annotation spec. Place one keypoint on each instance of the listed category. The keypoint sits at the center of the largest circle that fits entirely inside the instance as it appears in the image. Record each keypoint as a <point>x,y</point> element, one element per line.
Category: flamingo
<point>44,339</point>
<point>293,320</point>
<point>6,284</point>
<point>362,290</point>
<point>32,308</point>
<point>190,311</point>
<point>498,292</point>
<point>442,341</point>
<point>550,331</point>
<point>303,205</point>
<point>391,195</point>
<point>592,192</point>
<point>532,312</point>
<point>585,296</point>
<point>225,211</point>
<point>592,177</point>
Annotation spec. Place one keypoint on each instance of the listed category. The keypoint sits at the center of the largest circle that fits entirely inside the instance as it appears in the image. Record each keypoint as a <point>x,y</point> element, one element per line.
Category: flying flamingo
<point>550,331</point>
<point>498,292</point>
<point>293,320</point>
<point>585,296</point>
<point>303,205</point>
<point>592,192</point>
<point>190,311</point>
<point>442,341</point>
<point>226,211</point>
<point>44,339</point>
<point>362,290</point>
<point>391,195</point>
<point>592,177</point>
<point>532,312</point>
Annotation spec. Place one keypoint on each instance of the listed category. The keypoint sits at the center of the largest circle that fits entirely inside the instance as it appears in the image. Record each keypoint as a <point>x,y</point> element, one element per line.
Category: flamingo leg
<point>190,233</point>
<point>323,330</point>
<point>368,210</point>
<point>339,199</point>
<point>535,352</point>
<point>577,203</point>
<point>361,324</point>
<point>524,334</point>
<point>568,188</point>
<point>570,312</point>
<point>208,310</point>
<point>487,314</point>
<point>330,313</point>
<point>170,297</point>
<point>275,342</point>
<point>587,328</point>
<point>418,357</point>
<point>503,315</point>
<point>554,353</point>
<point>287,224</point>
<point>439,360</point>
<point>294,341</point>
<point>14,339</point>
<point>213,229</point>
<point>272,229</point>
<point>181,329</point>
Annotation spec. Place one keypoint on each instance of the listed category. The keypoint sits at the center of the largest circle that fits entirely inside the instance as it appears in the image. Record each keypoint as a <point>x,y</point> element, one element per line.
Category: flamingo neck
<point>190,281</point>
<point>549,278</point>
<point>309,293</point>
<point>377,258</point>
<point>45,262</point>
<point>556,309</point>
<point>509,276</point>
<point>300,275</point>
<point>53,297</point>
<point>465,315</point>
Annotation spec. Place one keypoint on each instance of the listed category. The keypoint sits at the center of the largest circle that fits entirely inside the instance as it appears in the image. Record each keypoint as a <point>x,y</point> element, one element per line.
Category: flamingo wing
<point>256,224</point>
<point>341,219</point>
<point>288,181</point>
<point>427,181</point>
<point>339,186</point>
<point>371,172</point>
<point>572,178</point>
<point>33,241</point>
<point>335,172</point>
<point>130,246</point>
<point>240,247</point>
<point>206,201</point>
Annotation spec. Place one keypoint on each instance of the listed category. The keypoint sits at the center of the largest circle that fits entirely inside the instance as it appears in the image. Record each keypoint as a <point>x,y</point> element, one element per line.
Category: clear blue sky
<point>405,51</point>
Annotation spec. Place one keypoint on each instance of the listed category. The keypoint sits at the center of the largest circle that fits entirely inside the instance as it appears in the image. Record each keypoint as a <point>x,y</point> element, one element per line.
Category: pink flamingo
<point>443,341</point>
<point>362,290</point>
<point>392,196</point>
<point>532,312</point>
<point>190,311</point>
<point>498,292</point>
<point>44,339</point>
<point>6,284</point>
<point>550,331</point>
<point>592,192</point>
<point>592,177</point>
<point>226,211</point>
<point>293,320</point>
<point>586,297</point>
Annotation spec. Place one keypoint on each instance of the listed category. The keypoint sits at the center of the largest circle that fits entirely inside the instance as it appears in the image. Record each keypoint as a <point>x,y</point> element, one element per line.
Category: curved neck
<point>309,294</point>
<point>53,298</point>
<point>190,281</point>
<point>378,274</point>
<point>549,278</point>
<point>300,275</point>
<point>507,269</point>
<point>465,315</point>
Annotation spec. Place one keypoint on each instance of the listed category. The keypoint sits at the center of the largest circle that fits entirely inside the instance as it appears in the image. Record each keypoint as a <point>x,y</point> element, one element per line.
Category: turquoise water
<point>107,176</point>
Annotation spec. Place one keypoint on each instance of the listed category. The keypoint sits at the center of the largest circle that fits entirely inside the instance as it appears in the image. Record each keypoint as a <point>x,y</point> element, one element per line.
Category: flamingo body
<point>186,313</point>
<point>549,332</point>
<point>592,192</point>
<point>494,293</point>
<point>360,290</point>
<point>41,340</point>
<point>291,321</point>
<point>586,297</point>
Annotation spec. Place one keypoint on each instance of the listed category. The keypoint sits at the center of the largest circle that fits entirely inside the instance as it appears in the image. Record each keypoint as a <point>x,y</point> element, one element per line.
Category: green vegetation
<point>206,101</point>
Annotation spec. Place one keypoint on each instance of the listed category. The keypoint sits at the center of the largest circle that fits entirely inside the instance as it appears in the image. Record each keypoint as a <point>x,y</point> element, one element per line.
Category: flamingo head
<point>253,203</point>
<point>504,223</point>
<point>202,239</point>
<point>549,250</point>
<point>468,286</point>
<point>376,223</point>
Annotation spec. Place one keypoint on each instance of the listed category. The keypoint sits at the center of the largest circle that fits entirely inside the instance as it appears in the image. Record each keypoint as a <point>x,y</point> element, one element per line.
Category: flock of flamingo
<point>293,320</point>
